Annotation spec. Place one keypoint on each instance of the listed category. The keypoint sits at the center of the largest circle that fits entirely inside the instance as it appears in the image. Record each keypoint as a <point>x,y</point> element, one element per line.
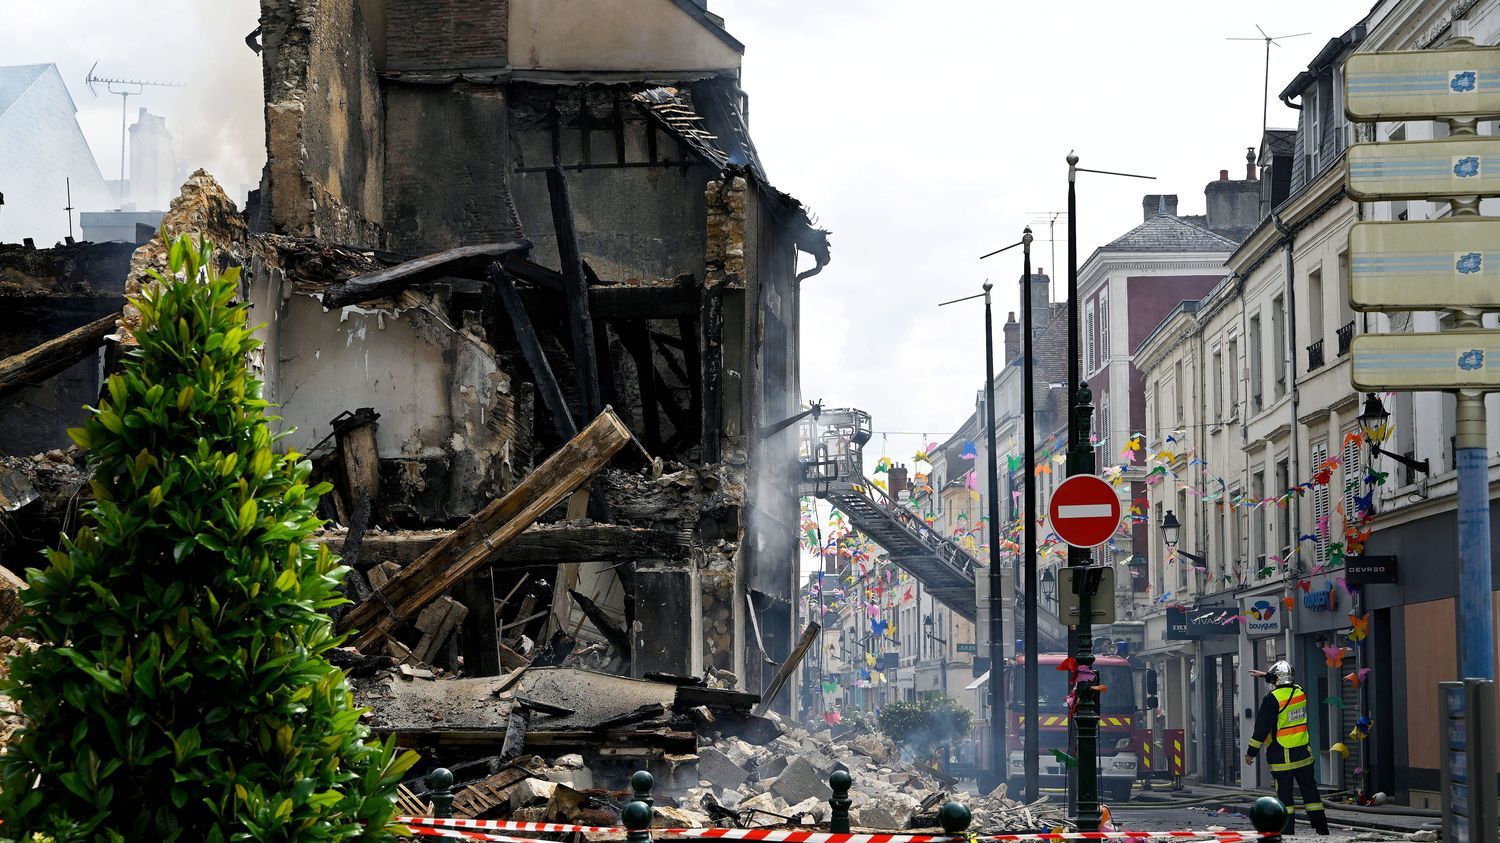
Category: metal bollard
<point>641,782</point>
<point>838,803</point>
<point>441,782</point>
<point>637,821</point>
<point>955,818</point>
<point>1268,815</point>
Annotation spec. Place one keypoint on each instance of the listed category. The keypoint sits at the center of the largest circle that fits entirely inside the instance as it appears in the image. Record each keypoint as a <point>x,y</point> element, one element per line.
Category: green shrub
<point>181,690</point>
<point>926,725</point>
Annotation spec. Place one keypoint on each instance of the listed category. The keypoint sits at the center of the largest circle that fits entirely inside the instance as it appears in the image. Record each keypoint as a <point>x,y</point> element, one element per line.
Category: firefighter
<point>1282,723</point>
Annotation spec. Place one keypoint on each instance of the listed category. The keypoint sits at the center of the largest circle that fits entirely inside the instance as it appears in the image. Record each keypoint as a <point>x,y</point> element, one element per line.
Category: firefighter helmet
<point>1279,674</point>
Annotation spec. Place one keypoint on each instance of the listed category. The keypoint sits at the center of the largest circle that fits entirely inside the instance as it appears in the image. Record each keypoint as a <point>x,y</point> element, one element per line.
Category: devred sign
<point>1085,511</point>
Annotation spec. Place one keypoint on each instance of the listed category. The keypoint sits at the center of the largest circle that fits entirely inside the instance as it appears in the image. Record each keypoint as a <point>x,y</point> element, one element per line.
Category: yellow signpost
<point>1421,85</point>
<point>1425,265</point>
<point>1456,166</point>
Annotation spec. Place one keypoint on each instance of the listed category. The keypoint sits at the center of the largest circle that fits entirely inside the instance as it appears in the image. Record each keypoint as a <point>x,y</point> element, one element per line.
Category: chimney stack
<point>899,483</point>
<point>1223,175</point>
<point>1250,174</point>
<point>1012,338</point>
<point>1156,204</point>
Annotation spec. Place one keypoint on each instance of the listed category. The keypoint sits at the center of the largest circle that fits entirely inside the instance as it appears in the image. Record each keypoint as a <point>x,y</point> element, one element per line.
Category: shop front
<point>1262,642</point>
<point>1324,655</point>
<point>1213,623</point>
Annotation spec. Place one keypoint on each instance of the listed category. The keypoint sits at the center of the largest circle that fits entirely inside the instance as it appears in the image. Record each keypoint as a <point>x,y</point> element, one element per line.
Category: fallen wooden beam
<point>580,323</point>
<point>809,635</point>
<point>531,349</point>
<point>478,541</point>
<point>711,382</point>
<point>463,262</point>
<point>611,632</point>
<point>40,362</point>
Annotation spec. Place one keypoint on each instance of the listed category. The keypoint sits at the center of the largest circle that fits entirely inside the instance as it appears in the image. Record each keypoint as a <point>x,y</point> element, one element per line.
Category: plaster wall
<point>625,35</point>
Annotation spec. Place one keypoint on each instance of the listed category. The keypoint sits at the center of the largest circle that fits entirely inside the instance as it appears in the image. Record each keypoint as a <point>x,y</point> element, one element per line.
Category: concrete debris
<point>800,781</point>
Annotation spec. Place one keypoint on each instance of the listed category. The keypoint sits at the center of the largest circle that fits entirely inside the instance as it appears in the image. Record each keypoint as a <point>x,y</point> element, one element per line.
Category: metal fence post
<point>838,803</point>
<point>441,782</point>
<point>641,782</point>
<point>955,818</point>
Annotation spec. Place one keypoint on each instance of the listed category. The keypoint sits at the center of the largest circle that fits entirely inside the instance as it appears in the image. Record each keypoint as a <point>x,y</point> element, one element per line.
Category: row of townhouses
<point>1217,351</point>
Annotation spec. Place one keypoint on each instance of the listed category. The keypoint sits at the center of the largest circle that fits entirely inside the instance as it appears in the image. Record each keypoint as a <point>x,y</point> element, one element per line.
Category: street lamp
<point>1372,420</point>
<point>1170,528</point>
<point>1049,586</point>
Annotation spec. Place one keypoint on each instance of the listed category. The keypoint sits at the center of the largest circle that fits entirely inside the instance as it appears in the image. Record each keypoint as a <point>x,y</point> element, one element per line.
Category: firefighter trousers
<point>1312,800</point>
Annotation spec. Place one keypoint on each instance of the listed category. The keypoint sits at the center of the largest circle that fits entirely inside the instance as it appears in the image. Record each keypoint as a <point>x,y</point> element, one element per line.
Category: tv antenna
<point>1050,218</point>
<point>124,89</point>
<point>1266,90</point>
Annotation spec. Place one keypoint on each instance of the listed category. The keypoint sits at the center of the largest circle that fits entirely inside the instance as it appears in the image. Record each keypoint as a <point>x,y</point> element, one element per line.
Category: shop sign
<point>968,648</point>
<point>1263,615</point>
<point>1177,625</point>
<point>1205,622</point>
<point>1325,599</point>
<point>1370,570</point>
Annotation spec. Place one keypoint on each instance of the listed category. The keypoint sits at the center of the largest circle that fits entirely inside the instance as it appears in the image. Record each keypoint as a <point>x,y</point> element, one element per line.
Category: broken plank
<point>611,632</point>
<point>645,712</point>
<point>464,262</point>
<point>580,323</point>
<point>478,540</point>
<point>711,381</point>
<point>809,635</point>
<point>530,704</point>
<point>40,362</point>
<point>515,734</point>
<point>531,349</point>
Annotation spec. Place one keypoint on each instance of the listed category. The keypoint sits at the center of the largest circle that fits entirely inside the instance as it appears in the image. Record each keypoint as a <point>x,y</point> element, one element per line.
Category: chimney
<point>1223,175</point>
<point>1012,338</point>
<point>1250,174</point>
<point>1156,204</point>
<point>899,483</point>
<point>1041,301</point>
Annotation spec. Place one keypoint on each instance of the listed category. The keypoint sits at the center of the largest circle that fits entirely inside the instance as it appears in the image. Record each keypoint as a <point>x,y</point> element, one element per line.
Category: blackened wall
<point>447,149</point>
<point>445,34</point>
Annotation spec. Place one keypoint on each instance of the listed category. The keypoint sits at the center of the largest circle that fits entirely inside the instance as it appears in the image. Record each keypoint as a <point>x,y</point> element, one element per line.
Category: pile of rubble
<point>560,745</point>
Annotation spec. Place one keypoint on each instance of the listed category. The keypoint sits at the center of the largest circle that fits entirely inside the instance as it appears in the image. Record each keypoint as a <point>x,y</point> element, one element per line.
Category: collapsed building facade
<point>495,244</point>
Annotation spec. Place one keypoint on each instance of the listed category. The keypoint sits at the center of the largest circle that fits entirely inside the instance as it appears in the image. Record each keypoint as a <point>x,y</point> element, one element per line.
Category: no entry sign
<point>1085,511</point>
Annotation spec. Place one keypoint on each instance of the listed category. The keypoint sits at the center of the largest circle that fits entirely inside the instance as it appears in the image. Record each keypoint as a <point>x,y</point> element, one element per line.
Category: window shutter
<point>1103,328</point>
<point>1088,333</point>
<point>1321,505</point>
<point>1354,476</point>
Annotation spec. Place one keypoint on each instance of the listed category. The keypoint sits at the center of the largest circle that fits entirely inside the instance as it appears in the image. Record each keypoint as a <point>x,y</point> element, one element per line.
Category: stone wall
<point>324,122</point>
<point>446,34</point>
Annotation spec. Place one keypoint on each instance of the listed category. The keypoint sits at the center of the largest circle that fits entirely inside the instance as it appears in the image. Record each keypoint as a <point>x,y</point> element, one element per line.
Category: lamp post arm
<point>1415,465</point>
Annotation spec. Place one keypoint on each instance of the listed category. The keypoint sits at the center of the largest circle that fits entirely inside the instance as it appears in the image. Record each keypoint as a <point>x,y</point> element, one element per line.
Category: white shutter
<point>1354,476</point>
<point>1321,505</point>
<point>1088,332</point>
<point>1103,328</point>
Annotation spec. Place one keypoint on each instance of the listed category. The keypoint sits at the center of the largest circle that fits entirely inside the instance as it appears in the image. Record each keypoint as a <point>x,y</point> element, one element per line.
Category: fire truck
<point>1122,723</point>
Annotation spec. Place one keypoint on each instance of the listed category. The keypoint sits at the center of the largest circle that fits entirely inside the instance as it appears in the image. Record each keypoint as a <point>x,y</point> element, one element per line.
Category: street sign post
<point>1452,166</point>
<point>1466,718</point>
<point>1451,360</point>
<point>1102,608</point>
<point>1421,84</point>
<point>1085,511</point>
<point>1425,265</point>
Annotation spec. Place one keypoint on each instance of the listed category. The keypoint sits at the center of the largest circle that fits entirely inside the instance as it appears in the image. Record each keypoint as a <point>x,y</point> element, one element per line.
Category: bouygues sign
<point>1324,599</point>
<point>1263,615</point>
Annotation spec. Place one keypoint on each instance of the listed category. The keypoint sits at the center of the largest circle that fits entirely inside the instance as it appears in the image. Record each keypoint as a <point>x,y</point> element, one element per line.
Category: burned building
<point>638,258</point>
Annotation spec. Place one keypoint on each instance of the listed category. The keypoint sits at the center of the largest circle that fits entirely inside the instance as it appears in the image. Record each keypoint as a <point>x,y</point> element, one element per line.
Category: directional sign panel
<point>1425,265</point>
<point>1463,166</point>
<point>1466,359</point>
<point>1085,511</point>
<point>1422,84</point>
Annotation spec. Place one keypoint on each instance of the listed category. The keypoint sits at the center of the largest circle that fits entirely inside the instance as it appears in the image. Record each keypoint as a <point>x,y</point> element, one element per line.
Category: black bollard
<point>637,821</point>
<point>838,803</point>
<point>641,782</point>
<point>954,818</point>
<point>441,782</point>
<point>1269,816</point>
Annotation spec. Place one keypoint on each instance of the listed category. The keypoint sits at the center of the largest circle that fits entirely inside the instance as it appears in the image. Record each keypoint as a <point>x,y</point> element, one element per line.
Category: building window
<point>1320,504</point>
<point>1218,381</point>
<point>1258,521</point>
<point>1354,473</point>
<point>1257,370</point>
<point>1088,333</point>
<point>1234,378</point>
<point>1104,329</point>
<point>1155,421</point>
<point>1284,521</point>
<point>1179,389</point>
<point>1315,304</point>
<point>1313,138</point>
<point>1278,351</point>
<point>1101,424</point>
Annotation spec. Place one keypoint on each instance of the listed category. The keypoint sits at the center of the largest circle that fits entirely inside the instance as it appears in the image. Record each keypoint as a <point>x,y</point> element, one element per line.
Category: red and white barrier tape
<point>474,830</point>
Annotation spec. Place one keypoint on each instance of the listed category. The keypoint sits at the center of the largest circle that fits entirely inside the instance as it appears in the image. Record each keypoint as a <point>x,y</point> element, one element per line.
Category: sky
<point>921,135</point>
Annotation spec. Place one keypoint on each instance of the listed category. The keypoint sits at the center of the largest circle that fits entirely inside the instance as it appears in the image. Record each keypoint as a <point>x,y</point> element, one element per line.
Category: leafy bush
<point>924,726</point>
<point>181,690</point>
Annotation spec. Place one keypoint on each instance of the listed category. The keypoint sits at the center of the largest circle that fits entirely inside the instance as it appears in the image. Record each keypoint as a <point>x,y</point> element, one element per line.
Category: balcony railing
<point>1315,356</point>
<point>1346,336</point>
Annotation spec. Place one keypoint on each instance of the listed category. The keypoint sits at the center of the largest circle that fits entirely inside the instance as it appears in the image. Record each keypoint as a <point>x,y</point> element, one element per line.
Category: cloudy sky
<point>922,135</point>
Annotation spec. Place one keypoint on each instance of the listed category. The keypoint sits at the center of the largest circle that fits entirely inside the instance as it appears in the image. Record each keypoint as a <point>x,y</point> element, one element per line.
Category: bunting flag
<point>970,451</point>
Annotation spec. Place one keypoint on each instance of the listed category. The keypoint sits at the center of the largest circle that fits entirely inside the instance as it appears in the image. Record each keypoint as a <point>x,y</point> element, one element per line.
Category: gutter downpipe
<point>1287,241</point>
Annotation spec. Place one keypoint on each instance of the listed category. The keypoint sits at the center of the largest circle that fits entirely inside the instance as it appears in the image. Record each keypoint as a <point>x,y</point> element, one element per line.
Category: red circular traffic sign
<point>1085,511</point>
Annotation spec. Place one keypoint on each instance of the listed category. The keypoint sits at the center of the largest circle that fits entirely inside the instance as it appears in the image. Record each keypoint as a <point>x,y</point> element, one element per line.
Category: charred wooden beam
<point>477,541</point>
<point>608,628</point>
<point>636,338</point>
<point>542,707</point>
<point>650,711</point>
<point>789,667</point>
<point>580,323</point>
<point>462,262</point>
<point>534,273</point>
<point>625,302</point>
<point>38,363</point>
<point>355,435</point>
<point>687,330</point>
<point>531,349</point>
<point>711,351</point>
<point>541,545</point>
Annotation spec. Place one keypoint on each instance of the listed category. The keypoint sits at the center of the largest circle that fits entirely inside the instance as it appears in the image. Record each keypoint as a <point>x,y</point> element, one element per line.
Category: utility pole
<point>1086,577</point>
<point>1031,743</point>
<point>124,89</point>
